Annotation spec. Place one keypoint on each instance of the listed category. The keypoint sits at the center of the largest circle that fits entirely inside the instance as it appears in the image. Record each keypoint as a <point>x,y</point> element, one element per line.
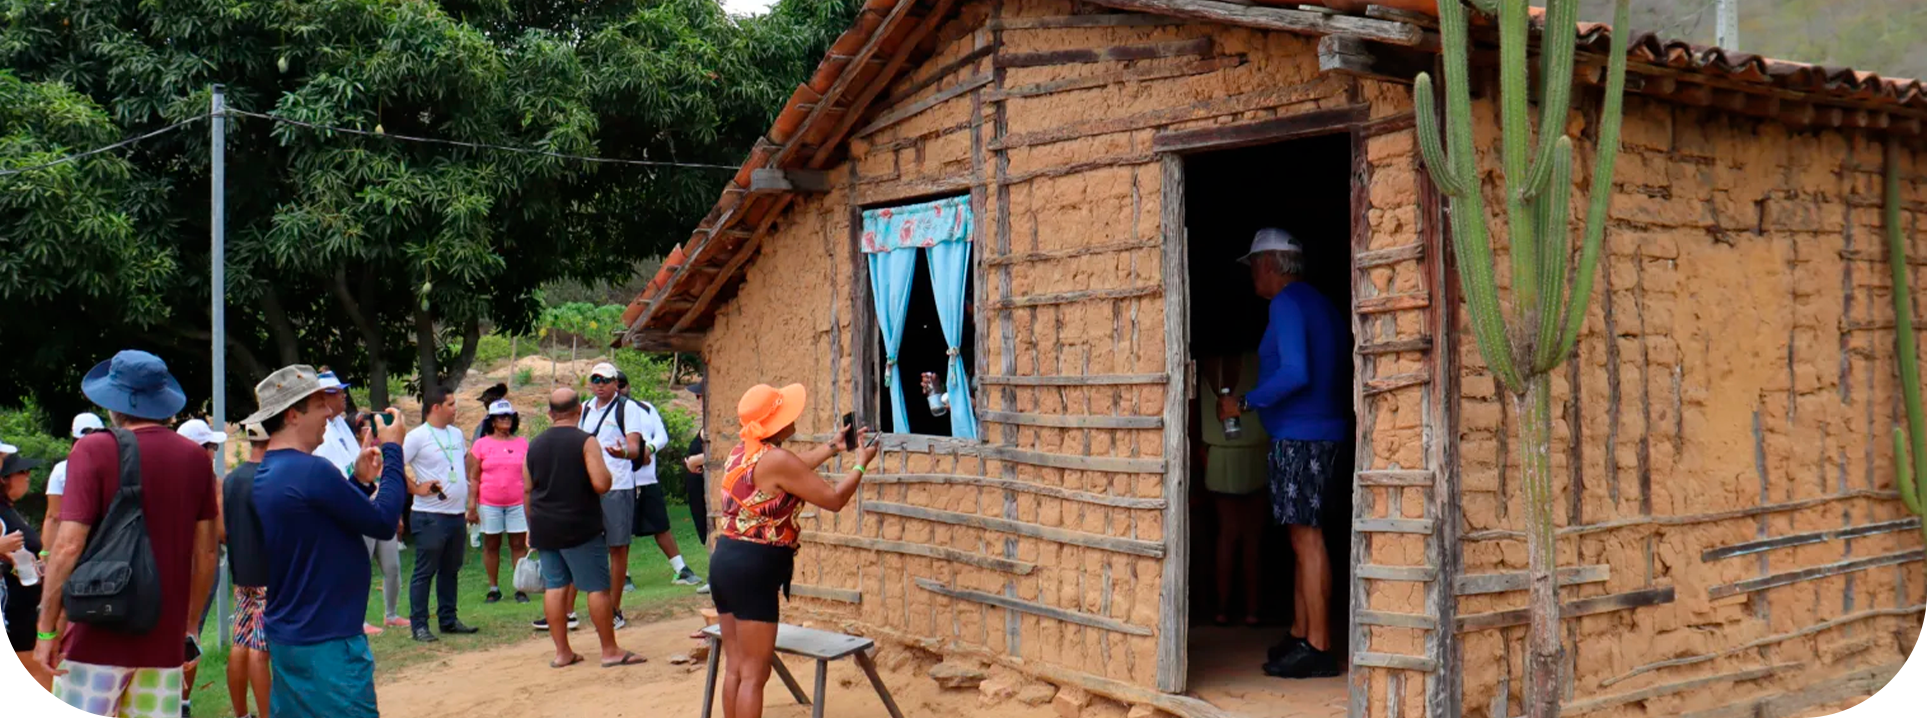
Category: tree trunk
<point>471,339</point>
<point>371,341</point>
<point>1544,651</point>
<point>286,344</point>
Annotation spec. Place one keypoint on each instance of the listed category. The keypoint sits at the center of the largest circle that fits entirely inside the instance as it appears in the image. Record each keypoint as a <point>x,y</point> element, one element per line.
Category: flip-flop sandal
<point>572,661</point>
<point>629,658</point>
<point>699,635</point>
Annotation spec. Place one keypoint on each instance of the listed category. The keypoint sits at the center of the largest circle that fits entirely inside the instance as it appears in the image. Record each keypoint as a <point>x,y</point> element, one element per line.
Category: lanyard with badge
<point>435,434</point>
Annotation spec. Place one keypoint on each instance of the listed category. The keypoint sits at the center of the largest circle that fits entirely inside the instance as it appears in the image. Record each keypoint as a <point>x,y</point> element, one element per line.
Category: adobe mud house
<point>1732,542</point>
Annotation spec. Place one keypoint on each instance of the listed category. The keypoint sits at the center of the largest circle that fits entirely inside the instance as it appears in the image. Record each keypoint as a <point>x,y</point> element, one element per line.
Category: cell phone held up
<point>849,431</point>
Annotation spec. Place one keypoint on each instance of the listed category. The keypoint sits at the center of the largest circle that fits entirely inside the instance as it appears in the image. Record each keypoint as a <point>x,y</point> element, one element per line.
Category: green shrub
<point>492,349</point>
<point>649,381</point>
<point>522,377</point>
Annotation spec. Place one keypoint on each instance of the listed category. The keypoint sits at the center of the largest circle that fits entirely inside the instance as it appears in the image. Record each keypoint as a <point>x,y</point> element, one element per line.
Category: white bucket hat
<point>1271,239</point>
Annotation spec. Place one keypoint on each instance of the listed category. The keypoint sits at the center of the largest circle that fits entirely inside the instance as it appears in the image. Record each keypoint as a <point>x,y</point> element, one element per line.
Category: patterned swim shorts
<point>117,691</point>
<point>1299,473</point>
<point>249,602</point>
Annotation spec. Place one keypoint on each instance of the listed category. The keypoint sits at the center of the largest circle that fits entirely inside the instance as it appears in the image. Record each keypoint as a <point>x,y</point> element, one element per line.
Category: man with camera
<point>341,446</point>
<point>312,523</point>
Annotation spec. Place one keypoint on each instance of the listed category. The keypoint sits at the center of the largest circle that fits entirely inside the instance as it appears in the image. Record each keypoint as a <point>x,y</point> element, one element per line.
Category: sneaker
<point>686,577</point>
<point>494,594</point>
<point>541,623</point>
<point>521,597</point>
<point>574,623</point>
<point>396,621</point>
<point>368,629</point>
<point>620,621</point>
<point>628,584</point>
<point>704,590</point>
<point>1309,663</point>
<point>186,710</point>
<point>1287,649</point>
<point>422,635</point>
<point>459,628</point>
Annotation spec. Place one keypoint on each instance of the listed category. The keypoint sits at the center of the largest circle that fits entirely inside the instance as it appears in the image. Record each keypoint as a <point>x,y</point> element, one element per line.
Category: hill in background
<point>1883,36</point>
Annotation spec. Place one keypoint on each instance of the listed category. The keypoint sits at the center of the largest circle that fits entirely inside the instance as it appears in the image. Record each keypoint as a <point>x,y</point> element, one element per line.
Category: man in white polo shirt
<point>628,434</point>
<point>437,455</point>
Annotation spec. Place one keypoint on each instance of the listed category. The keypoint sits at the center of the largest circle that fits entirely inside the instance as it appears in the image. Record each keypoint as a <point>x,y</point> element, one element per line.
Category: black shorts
<point>652,511</point>
<point>745,578</point>
<point>23,615</point>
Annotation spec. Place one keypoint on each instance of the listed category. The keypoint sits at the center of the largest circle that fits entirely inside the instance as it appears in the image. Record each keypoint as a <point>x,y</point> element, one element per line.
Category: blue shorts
<point>586,566</point>
<point>331,679</point>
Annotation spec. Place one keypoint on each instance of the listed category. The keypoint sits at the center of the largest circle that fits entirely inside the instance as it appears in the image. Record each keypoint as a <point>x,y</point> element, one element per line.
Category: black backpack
<point>117,584</point>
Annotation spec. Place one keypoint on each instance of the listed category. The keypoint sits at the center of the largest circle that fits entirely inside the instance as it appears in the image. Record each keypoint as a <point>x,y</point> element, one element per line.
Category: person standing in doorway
<point>1303,398</point>
<point>247,663</point>
<point>1234,476</point>
<point>565,474</point>
<point>101,671</point>
<point>437,453</point>
<point>84,423</point>
<point>496,469</point>
<point>312,523</point>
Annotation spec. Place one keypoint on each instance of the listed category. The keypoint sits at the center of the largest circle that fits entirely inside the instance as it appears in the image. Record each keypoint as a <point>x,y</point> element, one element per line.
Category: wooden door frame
<point>1174,596</point>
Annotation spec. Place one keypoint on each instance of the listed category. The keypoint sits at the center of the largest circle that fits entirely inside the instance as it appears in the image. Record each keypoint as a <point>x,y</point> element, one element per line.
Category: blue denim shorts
<point>331,679</point>
<point>586,566</point>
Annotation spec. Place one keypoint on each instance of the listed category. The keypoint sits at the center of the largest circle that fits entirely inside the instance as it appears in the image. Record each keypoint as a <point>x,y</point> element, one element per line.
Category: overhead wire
<point>365,133</point>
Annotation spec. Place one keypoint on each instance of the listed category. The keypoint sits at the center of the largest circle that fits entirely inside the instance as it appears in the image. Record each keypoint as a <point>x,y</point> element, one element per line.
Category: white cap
<point>85,421</point>
<point>9,449</point>
<point>501,407</point>
<point>199,432</point>
<point>1271,239</point>
<point>605,370</point>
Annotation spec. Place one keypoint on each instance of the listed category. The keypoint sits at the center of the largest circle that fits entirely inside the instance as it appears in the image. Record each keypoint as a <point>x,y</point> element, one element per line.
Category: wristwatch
<point>1244,405</point>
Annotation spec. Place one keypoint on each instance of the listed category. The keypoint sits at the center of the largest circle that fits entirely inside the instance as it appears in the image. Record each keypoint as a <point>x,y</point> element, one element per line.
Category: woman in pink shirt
<point>497,469</point>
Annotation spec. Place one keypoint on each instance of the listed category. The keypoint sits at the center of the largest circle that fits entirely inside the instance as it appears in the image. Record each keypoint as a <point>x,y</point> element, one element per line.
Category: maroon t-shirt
<point>178,491</point>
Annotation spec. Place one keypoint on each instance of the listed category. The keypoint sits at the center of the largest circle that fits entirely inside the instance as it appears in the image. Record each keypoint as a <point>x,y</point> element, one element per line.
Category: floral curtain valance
<point>917,226</point>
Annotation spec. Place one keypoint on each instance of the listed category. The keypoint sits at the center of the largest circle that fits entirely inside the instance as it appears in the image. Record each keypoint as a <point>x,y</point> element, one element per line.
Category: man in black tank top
<point>565,478</point>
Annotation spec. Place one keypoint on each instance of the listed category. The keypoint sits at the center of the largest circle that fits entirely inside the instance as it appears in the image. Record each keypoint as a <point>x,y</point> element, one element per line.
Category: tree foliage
<point>375,255</point>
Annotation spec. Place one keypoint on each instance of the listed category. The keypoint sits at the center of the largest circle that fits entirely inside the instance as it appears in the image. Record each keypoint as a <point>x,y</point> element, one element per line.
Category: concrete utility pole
<point>1727,28</point>
<point>217,180</point>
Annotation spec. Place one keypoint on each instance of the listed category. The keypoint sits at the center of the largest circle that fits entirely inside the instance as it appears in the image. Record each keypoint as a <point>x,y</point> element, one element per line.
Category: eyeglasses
<point>600,380</point>
<point>90,430</point>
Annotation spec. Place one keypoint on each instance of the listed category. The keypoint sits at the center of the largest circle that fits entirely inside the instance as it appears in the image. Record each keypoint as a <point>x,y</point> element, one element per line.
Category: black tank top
<point>564,509</point>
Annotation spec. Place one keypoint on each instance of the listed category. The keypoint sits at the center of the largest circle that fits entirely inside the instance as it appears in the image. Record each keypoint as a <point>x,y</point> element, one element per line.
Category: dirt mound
<point>515,680</point>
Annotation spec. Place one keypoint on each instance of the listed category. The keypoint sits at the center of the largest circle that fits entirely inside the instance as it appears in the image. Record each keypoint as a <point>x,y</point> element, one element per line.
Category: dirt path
<point>516,680</point>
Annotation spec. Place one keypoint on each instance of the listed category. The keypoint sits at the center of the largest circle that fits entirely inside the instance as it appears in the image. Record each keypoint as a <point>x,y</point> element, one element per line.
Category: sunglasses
<point>601,380</point>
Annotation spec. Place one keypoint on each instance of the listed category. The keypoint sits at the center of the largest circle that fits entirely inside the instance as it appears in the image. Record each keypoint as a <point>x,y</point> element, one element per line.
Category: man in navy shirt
<point>312,527</point>
<point>1303,398</point>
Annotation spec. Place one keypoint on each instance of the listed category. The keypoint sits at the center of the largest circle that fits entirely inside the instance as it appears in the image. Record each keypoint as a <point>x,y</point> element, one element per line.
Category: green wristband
<point>45,636</point>
<point>859,468</point>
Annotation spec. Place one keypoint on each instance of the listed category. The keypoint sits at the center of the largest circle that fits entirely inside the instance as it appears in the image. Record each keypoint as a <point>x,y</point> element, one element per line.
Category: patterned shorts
<point>1299,473</point>
<point>125,692</point>
<point>249,602</point>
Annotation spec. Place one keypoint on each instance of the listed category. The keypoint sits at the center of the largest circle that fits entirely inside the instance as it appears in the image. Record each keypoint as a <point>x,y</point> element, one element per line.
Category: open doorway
<point>1241,599</point>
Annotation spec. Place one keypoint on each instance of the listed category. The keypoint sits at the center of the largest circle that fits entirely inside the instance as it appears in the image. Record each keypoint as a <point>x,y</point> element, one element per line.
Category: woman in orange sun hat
<point>763,486</point>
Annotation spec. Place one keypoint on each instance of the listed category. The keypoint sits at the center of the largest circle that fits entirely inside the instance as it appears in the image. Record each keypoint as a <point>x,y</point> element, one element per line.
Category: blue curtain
<point>891,274</point>
<point>949,268</point>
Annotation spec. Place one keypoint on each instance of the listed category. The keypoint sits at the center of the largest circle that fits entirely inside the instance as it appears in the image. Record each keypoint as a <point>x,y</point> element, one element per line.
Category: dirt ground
<point>516,680</point>
<point>1226,670</point>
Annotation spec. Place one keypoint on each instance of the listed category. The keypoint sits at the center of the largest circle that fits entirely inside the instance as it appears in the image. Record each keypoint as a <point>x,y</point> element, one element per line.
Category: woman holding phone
<point>763,487</point>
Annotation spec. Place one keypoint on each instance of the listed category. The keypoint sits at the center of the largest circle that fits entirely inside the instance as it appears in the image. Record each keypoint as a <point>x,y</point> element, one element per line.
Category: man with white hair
<point>1303,398</point>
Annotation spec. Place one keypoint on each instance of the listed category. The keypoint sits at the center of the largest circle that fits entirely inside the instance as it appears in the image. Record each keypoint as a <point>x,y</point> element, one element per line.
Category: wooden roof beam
<point>882,80</point>
<point>735,265</point>
<point>1274,18</point>
<point>898,14</point>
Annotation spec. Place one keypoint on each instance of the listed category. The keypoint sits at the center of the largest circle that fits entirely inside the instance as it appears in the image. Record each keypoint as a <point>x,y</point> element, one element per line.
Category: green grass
<point>501,623</point>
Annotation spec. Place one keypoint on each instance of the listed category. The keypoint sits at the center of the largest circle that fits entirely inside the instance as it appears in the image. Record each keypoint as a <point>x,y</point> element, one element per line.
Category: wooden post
<point>1174,603</point>
<point>513,340</point>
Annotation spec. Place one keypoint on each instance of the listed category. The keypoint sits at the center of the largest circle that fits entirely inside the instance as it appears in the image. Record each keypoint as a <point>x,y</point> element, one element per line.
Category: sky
<point>747,7</point>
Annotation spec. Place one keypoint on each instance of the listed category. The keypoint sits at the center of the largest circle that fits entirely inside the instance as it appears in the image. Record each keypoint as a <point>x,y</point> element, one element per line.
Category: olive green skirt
<point>1235,470</point>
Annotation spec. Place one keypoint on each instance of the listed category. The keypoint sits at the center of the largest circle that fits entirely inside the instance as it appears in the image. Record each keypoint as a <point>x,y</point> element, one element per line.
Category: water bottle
<point>1233,427</point>
<point>25,568</point>
<point>475,535</point>
<point>939,401</point>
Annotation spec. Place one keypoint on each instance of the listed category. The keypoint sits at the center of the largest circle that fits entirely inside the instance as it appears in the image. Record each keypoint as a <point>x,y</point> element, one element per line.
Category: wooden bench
<point>819,646</point>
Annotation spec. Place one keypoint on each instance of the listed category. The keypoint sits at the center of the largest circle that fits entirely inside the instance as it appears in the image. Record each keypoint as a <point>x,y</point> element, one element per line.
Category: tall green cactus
<point>1910,442</point>
<point>1523,346</point>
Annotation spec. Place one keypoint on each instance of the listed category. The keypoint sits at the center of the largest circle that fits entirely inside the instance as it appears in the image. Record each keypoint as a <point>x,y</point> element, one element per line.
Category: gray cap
<point>1271,239</point>
<point>282,389</point>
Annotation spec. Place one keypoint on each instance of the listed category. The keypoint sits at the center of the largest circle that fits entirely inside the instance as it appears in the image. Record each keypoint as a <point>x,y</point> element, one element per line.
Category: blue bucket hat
<point>134,383</point>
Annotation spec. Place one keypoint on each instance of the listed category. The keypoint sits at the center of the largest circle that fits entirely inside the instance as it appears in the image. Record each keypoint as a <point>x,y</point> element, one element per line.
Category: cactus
<point>1523,346</point>
<point>1910,441</point>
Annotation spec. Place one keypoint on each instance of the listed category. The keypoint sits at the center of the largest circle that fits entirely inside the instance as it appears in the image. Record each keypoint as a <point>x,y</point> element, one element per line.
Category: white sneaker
<point>620,621</point>
<point>704,591</point>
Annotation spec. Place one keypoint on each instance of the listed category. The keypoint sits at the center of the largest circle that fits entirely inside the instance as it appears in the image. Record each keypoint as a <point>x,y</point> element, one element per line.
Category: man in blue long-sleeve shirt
<point>1303,399</point>
<point>312,527</point>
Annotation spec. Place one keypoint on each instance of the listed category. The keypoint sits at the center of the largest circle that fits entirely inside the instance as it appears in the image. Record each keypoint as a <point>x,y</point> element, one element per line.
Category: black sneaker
<point>459,628</point>
<point>541,623</point>
<point>521,597</point>
<point>1311,663</point>
<point>1288,648</point>
<point>686,577</point>
<point>494,594</point>
<point>422,635</point>
<point>187,711</point>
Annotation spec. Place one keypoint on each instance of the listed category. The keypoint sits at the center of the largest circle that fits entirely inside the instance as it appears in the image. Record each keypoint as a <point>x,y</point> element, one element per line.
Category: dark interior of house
<point>1301,186</point>
<point>924,350</point>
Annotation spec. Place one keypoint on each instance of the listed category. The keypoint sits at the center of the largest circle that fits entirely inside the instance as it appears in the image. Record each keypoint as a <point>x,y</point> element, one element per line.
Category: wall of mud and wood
<point>1730,535</point>
<point>1046,541</point>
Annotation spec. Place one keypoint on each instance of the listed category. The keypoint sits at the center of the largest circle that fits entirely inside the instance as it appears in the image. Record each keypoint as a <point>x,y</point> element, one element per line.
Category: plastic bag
<point>528,574</point>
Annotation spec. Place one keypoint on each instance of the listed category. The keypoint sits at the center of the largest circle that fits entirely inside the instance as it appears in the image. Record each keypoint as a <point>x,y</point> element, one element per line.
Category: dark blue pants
<point>440,540</point>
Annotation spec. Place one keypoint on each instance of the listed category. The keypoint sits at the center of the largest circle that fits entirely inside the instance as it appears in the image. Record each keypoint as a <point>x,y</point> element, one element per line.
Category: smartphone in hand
<point>849,431</point>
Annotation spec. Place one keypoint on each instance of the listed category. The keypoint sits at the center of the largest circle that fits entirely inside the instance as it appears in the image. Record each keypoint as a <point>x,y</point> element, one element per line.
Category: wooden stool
<point>819,646</point>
